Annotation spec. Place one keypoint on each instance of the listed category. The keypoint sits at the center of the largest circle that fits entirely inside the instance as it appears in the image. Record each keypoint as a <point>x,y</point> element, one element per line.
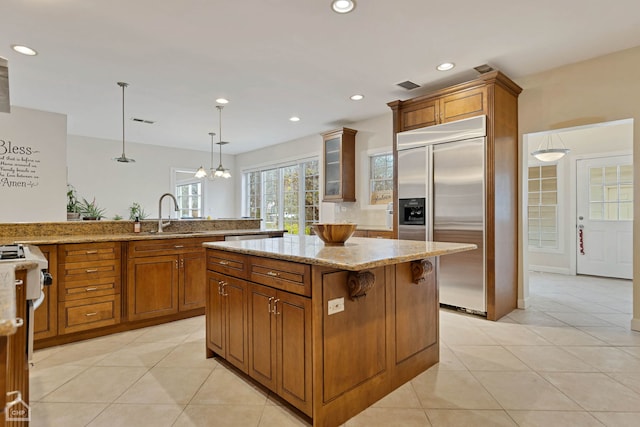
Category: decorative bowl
<point>334,234</point>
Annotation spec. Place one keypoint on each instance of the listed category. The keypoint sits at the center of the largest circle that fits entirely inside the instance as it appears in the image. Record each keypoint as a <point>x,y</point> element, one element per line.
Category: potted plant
<point>90,210</point>
<point>136,211</point>
<point>73,208</point>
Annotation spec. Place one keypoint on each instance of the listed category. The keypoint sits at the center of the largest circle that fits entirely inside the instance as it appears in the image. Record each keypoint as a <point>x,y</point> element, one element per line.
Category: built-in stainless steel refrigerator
<point>441,176</point>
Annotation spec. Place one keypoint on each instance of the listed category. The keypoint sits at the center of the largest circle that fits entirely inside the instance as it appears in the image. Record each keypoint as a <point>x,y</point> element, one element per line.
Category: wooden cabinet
<point>492,94</point>
<point>13,358</point>
<point>339,161</point>
<point>227,323</point>
<point>88,286</point>
<point>165,277</point>
<point>264,331</point>
<point>280,344</point>
<point>433,110</point>
<point>46,316</point>
<point>376,234</point>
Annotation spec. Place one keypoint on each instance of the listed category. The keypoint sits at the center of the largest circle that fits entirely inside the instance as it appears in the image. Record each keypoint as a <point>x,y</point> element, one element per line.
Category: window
<point>543,206</point>
<point>611,193</point>
<point>189,196</point>
<point>285,197</point>
<point>381,179</point>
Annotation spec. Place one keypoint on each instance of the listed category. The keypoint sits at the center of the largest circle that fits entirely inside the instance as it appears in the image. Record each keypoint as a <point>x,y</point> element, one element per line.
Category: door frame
<point>523,236</point>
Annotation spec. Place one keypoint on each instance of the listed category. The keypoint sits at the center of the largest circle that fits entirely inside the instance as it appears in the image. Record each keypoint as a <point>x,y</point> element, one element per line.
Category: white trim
<point>287,161</point>
<point>635,325</point>
<point>523,303</point>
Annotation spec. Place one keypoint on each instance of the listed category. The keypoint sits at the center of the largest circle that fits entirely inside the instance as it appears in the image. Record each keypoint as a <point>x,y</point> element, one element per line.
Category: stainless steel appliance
<point>36,279</point>
<point>444,166</point>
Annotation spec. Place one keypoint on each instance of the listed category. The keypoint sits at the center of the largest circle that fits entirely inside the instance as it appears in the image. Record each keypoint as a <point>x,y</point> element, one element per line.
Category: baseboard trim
<point>635,325</point>
<point>547,269</point>
<point>523,303</point>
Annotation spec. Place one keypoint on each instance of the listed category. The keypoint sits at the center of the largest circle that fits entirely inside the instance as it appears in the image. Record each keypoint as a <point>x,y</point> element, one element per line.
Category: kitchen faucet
<point>160,223</point>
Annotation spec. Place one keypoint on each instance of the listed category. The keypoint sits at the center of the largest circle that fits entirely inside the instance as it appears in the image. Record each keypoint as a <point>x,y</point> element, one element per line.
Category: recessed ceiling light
<point>356,97</point>
<point>222,101</point>
<point>25,50</point>
<point>445,66</point>
<point>343,6</point>
<point>294,119</point>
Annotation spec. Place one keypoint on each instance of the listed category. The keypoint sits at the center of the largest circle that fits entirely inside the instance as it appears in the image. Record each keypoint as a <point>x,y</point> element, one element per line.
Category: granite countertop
<point>119,237</point>
<point>357,254</point>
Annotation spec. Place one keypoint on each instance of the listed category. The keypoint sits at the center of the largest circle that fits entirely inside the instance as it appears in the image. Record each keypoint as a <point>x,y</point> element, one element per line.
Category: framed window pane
<point>543,207</point>
<point>380,179</point>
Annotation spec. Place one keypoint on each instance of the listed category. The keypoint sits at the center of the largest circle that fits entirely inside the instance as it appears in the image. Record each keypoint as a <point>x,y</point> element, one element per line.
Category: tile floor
<point>569,360</point>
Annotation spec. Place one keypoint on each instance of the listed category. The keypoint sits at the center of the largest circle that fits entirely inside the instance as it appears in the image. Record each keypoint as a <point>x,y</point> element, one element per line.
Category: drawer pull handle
<point>179,246</point>
<point>275,307</point>
<point>92,270</point>
<point>91,289</point>
<point>91,252</point>
<point>19,282</point>
<point>273,274</point>
<point>19,322</point>
<point>223,262</point>
<point>91,314</point>
<point>270,299</point>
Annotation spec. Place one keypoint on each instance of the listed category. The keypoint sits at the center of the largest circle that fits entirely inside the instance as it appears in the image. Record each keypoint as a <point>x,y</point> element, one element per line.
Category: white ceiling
<point>275,58</point>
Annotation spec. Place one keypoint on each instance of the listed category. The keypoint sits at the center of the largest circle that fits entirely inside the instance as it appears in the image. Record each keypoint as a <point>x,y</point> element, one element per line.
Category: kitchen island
<point>330,330</point>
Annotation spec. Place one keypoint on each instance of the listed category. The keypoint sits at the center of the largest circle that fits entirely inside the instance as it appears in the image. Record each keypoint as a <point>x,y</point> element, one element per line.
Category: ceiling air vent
<point>408,85</point>
<point>484,68</point>
<point>149,122</point>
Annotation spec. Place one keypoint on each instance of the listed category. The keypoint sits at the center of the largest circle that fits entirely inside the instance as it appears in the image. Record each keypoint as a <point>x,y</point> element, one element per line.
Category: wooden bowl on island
<point>334,234</point>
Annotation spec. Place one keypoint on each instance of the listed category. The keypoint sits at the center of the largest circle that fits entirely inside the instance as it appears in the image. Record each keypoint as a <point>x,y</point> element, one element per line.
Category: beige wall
<point>598,90</point>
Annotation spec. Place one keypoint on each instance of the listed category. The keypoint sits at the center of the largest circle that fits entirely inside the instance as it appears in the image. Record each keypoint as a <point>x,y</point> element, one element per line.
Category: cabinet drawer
<point>140,248</point>
<point>89,313</point>
<point>380,234</point>
<point>285,275</point>
<point>82,252</point>
<point>227,263</point>
<point>96,287</point>
<point>89,270</point>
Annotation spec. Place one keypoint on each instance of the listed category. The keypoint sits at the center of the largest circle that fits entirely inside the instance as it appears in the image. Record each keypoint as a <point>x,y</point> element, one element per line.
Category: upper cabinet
<point>339,161</point>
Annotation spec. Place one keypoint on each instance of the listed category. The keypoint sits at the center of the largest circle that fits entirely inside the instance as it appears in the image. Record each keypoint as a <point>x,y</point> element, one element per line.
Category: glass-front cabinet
<point>339,165</point>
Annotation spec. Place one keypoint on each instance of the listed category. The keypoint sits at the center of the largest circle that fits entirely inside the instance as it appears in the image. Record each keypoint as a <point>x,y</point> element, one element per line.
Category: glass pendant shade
<point>201,173</point>
<point>221,171</point>
<point>549,153</point>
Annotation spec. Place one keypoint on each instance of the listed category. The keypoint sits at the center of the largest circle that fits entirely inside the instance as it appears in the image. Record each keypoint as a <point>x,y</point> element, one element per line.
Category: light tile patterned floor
<point>569,360</point>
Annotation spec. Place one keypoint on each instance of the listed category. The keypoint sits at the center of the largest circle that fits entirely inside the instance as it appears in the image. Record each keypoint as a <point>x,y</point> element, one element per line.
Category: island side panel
<point>350,348</point>
<point>416,322</point>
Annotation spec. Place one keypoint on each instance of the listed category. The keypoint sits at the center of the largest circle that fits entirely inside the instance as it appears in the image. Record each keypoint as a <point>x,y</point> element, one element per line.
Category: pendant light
<point>201,172</point>
<point>549,153</point>
<point>220,170</point>
<point>123,158</point>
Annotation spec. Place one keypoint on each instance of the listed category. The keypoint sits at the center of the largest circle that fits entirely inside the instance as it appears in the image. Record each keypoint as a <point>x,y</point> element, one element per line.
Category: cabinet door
<point>262,335</point>
<point>235,294</point>
<point>215,314</point>
<point>152,287</point>
<point>293,314</point>
<point>426,113</point>
<point>192,280</point>
<point>332,168</point>
<point>339,165</point>
<point>464,104</point>
<point>46,316</point>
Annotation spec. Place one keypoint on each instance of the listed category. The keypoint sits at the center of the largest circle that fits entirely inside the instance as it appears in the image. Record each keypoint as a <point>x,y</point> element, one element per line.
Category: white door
<point>605,217</point>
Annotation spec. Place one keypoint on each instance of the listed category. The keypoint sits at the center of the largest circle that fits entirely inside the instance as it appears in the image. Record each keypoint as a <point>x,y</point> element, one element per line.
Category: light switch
<point>336,306</point>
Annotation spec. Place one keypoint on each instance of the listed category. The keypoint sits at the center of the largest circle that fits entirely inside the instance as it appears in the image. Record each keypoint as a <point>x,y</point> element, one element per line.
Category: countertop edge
<point>319,261</point>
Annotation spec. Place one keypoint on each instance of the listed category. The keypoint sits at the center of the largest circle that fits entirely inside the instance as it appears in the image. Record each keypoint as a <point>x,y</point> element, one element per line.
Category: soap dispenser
<point>136,225</point>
